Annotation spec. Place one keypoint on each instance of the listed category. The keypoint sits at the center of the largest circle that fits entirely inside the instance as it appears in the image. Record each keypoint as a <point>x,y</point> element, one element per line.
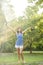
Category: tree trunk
<point>30,48</point>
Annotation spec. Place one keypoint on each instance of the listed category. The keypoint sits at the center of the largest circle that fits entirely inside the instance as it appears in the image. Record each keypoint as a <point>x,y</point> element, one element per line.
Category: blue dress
<point>19,41</point>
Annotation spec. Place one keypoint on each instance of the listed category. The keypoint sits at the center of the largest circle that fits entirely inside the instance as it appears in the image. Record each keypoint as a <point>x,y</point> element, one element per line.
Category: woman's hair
<point>19,30</point>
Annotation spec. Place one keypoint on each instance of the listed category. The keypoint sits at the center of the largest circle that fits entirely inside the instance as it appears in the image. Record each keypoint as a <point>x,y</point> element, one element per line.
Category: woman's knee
<point>18,51</point>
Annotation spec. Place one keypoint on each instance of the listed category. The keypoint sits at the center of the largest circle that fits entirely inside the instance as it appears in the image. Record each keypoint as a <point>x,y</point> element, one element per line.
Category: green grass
<point>34,58</point>
<point>29,58</point>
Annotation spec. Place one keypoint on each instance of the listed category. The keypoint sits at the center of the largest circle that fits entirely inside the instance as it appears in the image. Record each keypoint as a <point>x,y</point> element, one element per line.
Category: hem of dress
<point>18,46</point>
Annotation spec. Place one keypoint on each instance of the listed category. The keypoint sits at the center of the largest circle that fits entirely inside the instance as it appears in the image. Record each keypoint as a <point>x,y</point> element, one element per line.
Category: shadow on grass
<point>37,63</point>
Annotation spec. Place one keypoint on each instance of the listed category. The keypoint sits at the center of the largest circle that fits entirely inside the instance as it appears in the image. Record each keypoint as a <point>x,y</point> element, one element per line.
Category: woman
<point>19,43</point>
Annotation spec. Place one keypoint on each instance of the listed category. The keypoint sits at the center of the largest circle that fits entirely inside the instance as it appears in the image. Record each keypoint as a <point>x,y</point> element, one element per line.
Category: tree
<point>32,20</point>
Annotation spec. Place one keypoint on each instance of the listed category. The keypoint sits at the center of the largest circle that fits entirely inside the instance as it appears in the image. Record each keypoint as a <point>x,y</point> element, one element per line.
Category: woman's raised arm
<point>25,30</point>
<point>11,28</point>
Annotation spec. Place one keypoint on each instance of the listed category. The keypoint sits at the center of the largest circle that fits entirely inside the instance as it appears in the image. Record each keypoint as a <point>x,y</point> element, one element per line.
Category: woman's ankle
<point>23,61</point>
<point>18,61</point>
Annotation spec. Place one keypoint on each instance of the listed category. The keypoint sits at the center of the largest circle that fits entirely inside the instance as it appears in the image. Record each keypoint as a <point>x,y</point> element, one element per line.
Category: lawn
<point>29,58</point>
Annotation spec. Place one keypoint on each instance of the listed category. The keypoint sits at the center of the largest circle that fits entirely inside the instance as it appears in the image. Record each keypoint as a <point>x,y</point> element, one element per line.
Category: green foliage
<point>39,2</point>
<point>33,37</point>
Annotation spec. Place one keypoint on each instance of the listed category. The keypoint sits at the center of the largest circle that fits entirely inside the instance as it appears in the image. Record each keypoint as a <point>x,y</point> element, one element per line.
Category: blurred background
<point>24,13</point>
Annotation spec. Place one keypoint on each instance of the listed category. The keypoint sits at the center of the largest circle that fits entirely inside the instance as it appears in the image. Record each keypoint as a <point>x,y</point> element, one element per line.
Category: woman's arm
<point>25,30</point>
<point>11,29</point>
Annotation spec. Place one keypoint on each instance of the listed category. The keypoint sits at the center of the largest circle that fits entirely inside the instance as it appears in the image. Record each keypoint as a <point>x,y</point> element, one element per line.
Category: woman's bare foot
<point>23,61</point>
<point>18,61</point>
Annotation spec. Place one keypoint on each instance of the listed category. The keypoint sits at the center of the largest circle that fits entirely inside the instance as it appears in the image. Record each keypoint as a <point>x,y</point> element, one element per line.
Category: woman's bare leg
<point>22,55</point>
<point>18,52</point>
